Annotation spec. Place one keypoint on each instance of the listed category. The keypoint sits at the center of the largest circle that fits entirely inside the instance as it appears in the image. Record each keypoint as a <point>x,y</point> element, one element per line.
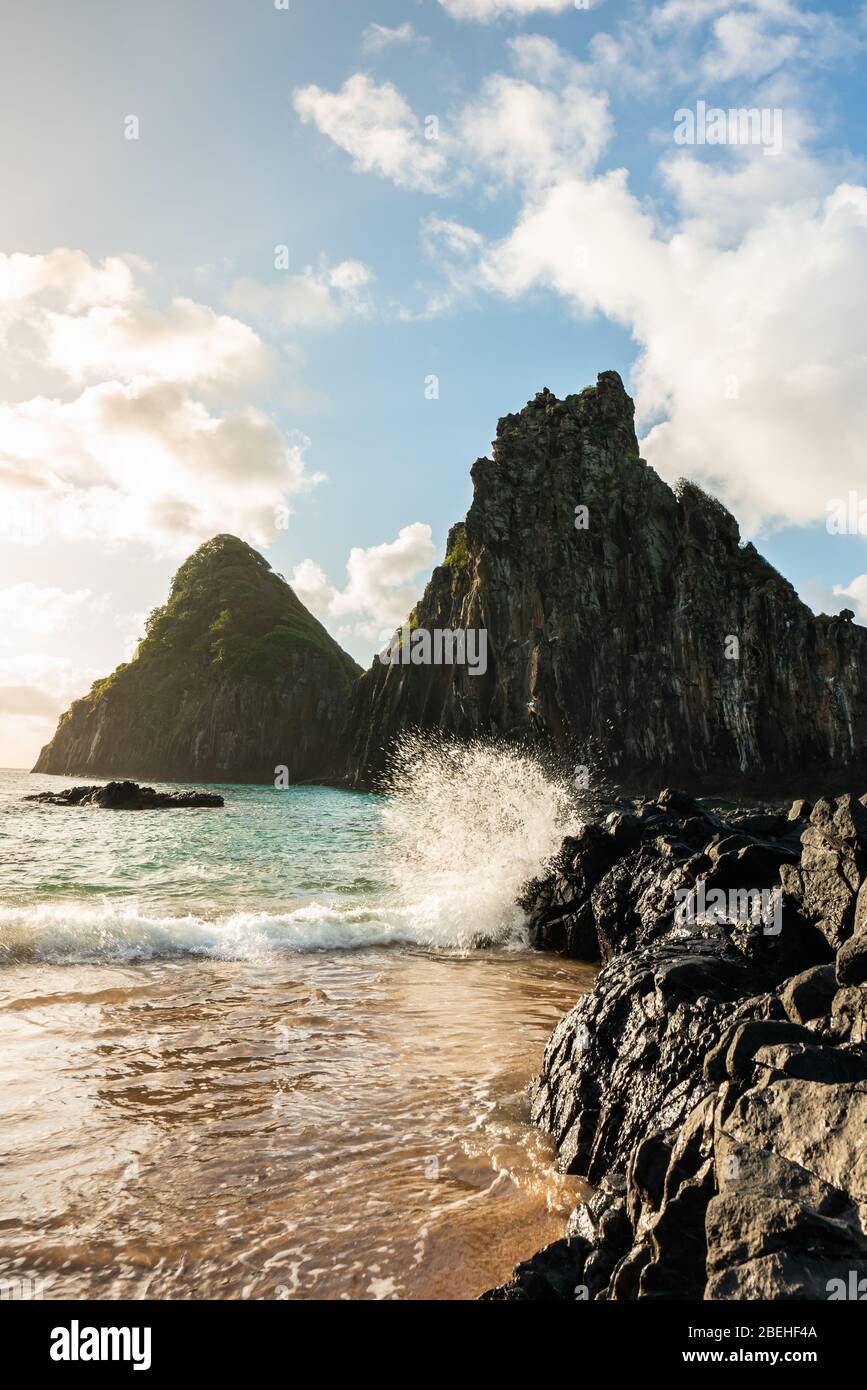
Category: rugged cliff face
<point>625,626</point>
<point>712,1085</point>
<point>640,636</point>
<point>233,679</point>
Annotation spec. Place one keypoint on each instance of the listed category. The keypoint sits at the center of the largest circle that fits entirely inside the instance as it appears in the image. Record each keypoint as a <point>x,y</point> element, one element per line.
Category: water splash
<point>437,864</point>
<point>470,823</point>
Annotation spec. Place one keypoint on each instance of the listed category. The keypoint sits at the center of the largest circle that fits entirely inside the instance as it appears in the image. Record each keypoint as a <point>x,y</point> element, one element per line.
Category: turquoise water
<point>252,1053</point>
<point>265,846</point>
<point>294,868</point>
<point>436,864</point>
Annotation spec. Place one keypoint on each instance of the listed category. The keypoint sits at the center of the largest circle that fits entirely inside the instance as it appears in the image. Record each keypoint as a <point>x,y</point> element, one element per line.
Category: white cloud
<point>486,10</point>
<point>524,134</point>
<point>311,585</point>
<point>857,591</point>
<point>516,131</point>
<point>748,303</point>
<point>378,128</point>
<point>111,438</point>
<point>68,279</point>
<point>58,677</point>
<point>314,298</point>
<point>751,38</point>
<point>378,37</point>
<point>753,354</point>
<point>743,47</point>
<point>455,250</point>
<point>31,609</point>
<point>144,461</point>
<point>382,584</point>
<point>453,236</point>
<point>34,690</point>
<point>721,201</point>
<point>187,342</point>
<point>55,325</point>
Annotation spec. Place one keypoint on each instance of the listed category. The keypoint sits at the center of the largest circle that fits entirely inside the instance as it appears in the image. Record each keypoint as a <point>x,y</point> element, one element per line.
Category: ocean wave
<point>86,934</point>
<point>464,827</point>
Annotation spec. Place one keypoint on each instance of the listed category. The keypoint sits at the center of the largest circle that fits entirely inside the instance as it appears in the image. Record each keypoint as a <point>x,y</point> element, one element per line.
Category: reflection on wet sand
<point>330,1125</point>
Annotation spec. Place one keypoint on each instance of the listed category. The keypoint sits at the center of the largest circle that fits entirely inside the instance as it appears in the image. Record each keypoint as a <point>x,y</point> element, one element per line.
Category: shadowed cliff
<point>234,678</point>
<point>610,642</point>
<point>627,628</point>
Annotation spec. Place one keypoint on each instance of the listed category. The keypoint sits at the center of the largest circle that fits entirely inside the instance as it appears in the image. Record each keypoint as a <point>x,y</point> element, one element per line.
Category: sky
<point>277,267</point>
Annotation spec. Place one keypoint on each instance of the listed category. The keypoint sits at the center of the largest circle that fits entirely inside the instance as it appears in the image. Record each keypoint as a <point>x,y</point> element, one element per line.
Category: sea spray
<point>469,823</point>
<point>436,863</point>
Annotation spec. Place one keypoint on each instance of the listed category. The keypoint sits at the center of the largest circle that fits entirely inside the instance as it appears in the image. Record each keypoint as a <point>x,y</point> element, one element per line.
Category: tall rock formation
<point>233,679</point>
<point>627,627</point>
<point>642,634</point>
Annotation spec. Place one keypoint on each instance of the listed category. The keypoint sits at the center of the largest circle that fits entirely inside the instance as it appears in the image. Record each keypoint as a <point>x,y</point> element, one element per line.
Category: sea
<point>279,1050</point>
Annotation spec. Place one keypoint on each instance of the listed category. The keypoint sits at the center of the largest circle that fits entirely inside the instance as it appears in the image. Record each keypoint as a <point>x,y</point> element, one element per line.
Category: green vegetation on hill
<point>228,616</point>
<point>458,556</point>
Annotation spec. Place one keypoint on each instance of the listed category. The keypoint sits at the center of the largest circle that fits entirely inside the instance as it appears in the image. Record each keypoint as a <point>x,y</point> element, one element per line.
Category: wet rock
<point>622,1063</point>
<point>832,866</point>
<point>127,796</point>
<point>769,1248</point>
<point>809,995</point>
<point>830,1065</point>
<point>849,1014</point>
<point>818,1125</point>
<point>852,960</point>
<point>557,1272</point>
<point>617,885</point>
<point>733,1055</point>
<point>718,1103</point>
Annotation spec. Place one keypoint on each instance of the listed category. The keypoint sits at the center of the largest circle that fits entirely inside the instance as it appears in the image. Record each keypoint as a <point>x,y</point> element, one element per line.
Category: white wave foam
<point>464,826</point>
<point>470,823</point>
<point>80,934</point>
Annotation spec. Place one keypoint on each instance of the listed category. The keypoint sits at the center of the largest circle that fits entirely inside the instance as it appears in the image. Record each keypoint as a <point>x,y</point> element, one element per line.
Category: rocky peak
<point>233,679</point>
<point>627,625</point>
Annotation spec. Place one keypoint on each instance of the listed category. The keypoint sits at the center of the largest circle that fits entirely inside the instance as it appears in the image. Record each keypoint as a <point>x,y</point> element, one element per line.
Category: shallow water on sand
<point>248,1054</point>
<point>332,1126</point>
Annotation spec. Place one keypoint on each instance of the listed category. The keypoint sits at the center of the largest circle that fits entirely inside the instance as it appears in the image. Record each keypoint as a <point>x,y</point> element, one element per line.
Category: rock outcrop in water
<point>712,1086</point>
<point>639,636</point>
<point>128,796</point>
<point>233,679</point>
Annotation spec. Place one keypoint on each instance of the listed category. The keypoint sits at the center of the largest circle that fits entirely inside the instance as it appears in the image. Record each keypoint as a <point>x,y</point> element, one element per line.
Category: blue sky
<point>164,379</point>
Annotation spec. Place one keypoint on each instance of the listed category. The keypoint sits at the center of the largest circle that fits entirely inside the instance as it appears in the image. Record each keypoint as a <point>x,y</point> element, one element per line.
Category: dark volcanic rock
<point>832,868</point>
<point>852,961</point>
<point>810,994</point>
<point>608,643</point>
<point>624,1059</point>
<point>555,1273</point>
<point>617,886</point>
<point>233,680</point>
<point>713,1083</point>
<point>127,796</point>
